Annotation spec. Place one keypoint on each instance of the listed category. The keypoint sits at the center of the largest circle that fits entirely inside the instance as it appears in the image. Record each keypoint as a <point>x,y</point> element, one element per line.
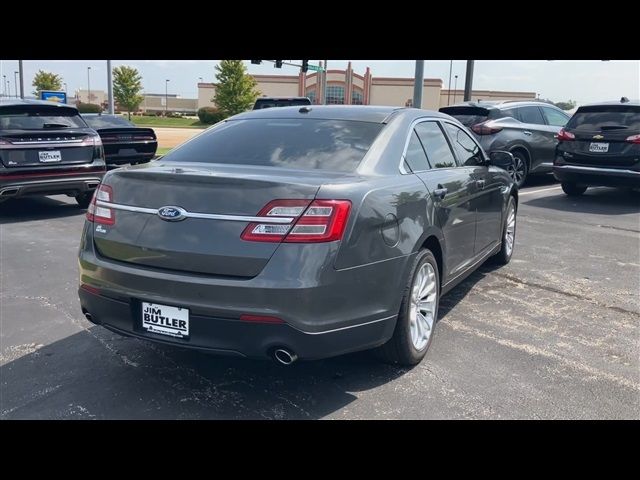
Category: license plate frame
<point>50,156</point>
<point>599,147</point>
<point>166,320</point>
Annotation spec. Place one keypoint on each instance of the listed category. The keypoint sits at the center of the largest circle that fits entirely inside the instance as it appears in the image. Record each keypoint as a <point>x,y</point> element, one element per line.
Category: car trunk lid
<point>601,134</point>
<point>46,147</point>
<point>197,245</point>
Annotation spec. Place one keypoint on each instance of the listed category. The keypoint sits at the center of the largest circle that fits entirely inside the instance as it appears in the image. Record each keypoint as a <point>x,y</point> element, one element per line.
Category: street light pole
<point>166,96</point>
<point>15,82</point>
<point>110,88</point>
<point>418,84</point>
<point>468,81</point>
<point>4,85</point>
<point>88,85</point>
<point>449,87</point>
<point>21,79</point>
<point>455,90</point>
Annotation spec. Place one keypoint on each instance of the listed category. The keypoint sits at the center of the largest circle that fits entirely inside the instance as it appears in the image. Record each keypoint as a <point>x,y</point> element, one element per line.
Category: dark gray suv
<point>526,129</point>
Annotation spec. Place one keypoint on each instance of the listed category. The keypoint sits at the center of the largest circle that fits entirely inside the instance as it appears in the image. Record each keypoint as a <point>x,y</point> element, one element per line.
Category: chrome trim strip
<point>49,144</point>
<point>207,216</point>
<point>343,328</point>
<point>596,169</point>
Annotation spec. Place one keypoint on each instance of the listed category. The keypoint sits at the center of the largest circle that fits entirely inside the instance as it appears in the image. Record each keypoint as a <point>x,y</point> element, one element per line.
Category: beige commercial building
<point>346,87</point>
<point>152,102</point>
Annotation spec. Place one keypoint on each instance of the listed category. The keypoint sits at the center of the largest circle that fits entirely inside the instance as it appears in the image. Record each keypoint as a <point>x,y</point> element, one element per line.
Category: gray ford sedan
<point>298,233</point>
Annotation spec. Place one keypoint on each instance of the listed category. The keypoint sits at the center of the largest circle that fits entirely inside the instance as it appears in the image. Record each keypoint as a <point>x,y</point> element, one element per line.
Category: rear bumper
<point>327,312</point>
<point>72,183</point>
<point>232,337</point>
<point>114,154</point>
<point>595,176</point>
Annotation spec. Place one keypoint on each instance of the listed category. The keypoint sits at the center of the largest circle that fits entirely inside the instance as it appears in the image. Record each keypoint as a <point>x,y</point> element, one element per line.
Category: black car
<point>269,102</point>
<point>600,146</point>
<point>123,141</point>
<point>526,129</point>
<point>47,149</point>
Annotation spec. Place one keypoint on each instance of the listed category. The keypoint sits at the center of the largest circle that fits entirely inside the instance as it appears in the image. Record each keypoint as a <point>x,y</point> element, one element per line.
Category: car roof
<point>501,104</point>
<point>634,103</point>
<point>363,113</point>
<point>282,98</point>
<point>11,102</point>
<point>101,115</point>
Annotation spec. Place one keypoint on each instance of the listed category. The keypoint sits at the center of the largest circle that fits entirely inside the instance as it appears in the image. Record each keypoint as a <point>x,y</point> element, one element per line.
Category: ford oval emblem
<point>172,214</point>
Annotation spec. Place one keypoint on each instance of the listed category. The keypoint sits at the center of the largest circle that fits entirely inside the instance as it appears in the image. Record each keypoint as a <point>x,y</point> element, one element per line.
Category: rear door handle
<point>480,183</point>
<point>440,192</point>
<point>526,132</point>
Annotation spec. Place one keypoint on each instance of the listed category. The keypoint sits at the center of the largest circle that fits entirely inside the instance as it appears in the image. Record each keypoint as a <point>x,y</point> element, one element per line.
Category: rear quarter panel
<point>390,217</point>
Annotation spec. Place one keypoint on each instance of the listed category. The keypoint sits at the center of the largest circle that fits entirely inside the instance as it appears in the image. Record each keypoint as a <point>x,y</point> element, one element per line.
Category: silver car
<point>526,129</point>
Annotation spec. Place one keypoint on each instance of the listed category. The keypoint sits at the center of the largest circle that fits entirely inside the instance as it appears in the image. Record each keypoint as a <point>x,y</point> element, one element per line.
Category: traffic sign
<point>315,68</point>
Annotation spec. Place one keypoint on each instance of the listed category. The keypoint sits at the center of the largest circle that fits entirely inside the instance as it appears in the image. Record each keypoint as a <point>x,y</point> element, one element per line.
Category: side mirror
<point>503,160</point>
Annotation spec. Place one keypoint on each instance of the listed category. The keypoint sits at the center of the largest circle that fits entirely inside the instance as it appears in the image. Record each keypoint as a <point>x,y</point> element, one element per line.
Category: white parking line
<point>529,192</point>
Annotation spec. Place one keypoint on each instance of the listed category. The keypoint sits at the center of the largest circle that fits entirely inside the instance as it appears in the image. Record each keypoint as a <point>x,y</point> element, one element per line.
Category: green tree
<point>46,81</point>
<point>127,85</point>
<point>565,105</point>
<point>236,90</point>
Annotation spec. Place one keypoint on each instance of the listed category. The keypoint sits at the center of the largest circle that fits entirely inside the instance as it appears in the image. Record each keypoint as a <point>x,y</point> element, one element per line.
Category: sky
<point>581,81</point>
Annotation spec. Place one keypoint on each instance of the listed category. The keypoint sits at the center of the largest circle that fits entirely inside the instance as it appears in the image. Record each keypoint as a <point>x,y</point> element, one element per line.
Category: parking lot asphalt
<point>555,334</point>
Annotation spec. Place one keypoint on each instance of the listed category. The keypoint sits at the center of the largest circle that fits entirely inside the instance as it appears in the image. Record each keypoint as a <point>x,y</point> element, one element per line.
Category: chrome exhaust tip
<point>88,316</point>
<point>284,357</point>
<point>9,192</point>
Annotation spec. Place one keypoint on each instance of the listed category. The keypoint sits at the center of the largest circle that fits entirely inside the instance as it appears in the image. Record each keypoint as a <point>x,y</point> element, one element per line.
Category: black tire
<point>400,349</point>
<point>521,168</point>
<point>573,189</point>
<point>84,199</point>
<point>504,255</point>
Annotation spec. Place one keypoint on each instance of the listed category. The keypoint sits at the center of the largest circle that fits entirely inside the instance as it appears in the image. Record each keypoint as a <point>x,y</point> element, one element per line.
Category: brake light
<point>98,150</point>
<point>484,129</point>
<point>634,139</point>
<point>565,136</point>
<point>99,213</point>
<point>317,221</point>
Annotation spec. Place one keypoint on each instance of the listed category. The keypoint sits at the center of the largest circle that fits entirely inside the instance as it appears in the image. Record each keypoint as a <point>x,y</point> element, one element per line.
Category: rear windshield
<point>598,118</point>
<point>468,116</point>
<point>308,144</point>
<point>39,118</point>
<point>268,103</point>
<point>106,121</point>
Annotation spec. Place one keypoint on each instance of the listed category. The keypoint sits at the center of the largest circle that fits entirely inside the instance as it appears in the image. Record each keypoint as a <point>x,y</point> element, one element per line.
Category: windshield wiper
<point>54,125</point>
<point>613,127</point>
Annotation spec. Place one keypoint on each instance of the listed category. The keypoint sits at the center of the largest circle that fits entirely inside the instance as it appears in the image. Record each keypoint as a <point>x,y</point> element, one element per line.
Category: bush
<point>210,115</point>
<point>89,108</point>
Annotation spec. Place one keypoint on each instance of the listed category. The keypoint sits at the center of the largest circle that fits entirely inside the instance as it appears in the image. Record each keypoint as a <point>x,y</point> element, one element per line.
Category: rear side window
<point>466,149</point>
<point>613,117</point>
<point>530,115</point>
<point>309,144</point>
<point>415,157</point>
<point>554,117</point>
<point>29,117</point>
<point>436,145</point>
<point>107,121</point>
<point>510,112</point>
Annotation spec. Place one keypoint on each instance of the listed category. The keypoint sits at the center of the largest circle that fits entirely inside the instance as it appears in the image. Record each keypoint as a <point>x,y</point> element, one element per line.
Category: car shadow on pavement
<point>96,374</point>
<point>540,180</point>
<point>36,208</point>
<point>601,201</point>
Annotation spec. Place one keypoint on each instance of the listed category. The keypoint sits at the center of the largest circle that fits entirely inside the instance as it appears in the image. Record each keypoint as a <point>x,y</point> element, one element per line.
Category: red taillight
<point>565,136</point>
<point>317,221</point>
<point>633,139</point>
<point>99,213</point>
<point>484,129</point>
